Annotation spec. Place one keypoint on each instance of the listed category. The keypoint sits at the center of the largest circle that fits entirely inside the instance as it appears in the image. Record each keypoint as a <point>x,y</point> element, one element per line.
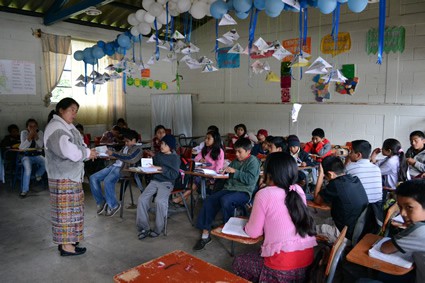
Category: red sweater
<point>322,149</point>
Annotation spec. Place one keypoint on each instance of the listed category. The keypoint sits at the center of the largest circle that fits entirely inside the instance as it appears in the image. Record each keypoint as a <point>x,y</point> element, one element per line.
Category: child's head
<point>277,144</point>
<point>31,124</point>
<point>411,200</point>
<point>262,135</point>
<point>160,132</point>
<point>213,128</point>
<point>122,123</point>
<point>116,131</point>
<point>417,140</point>
<point>332,167</point>
<point>360,150</point>
<point>168,144</point>
<point>267,143</point>
<point>391,147</point>
<point>243,148</point>
<point>240,130</point>
<point>129,136</point>
<point>212,138</point>
<point>13,130</point>
<point>317,135</point>
<point>293,144</point>
<point>80,128</point>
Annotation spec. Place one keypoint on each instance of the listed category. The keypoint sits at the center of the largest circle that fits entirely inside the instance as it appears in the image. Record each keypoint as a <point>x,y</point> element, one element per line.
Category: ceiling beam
<point>56,6</point>
<point>65,13</point>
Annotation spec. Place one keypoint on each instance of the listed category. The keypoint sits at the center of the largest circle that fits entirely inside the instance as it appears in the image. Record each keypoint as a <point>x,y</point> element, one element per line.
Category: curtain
<point>174,111</point>
<point>56,49</point>
<point>116,98</point>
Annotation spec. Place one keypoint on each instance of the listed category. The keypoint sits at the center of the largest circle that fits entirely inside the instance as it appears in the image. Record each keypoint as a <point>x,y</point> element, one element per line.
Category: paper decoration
<point>185,58</point>
<point>261,45</point>
<point>320,89</point>
<point>334,76</point>
<point>151,60</point>
<point>227,60</point>
<point>231,35</point>
<point>192,48</point>
<point>319,66</point>
<point>259,67</point>
<point>193,64</point>
<point>349,70</point>
<point>209,69</point>
<point>177,35</point>
<point>237,48</point>
<point>171,57</point>
<point>227,20</point>
<point>272,77</point>
<point>285,95</point>
<point>299,61</point>
<point>296,107</point>
<point>225,41</point>
<point>394,40</point>
<point>80,84</point>
<point>285,81</point>
<point>145,73</point>
<point>327,45</point>
<point>293,45</point>
<point>204,60</point>
<point>152,39</point>
<point>281,53</point>
<point>293,3</point>
<point>348,87</point>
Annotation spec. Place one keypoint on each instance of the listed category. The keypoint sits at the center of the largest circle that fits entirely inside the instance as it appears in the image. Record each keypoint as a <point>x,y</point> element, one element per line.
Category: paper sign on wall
<point>292,45</point>
<point>327,45</point>
<point>17,77</point>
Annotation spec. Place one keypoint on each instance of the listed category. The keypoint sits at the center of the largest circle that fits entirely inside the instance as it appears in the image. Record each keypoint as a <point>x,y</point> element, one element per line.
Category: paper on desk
<point>235,226</point>
<point>148,169</point>
<point>101,149</point>
<point>146,162</point>
<point>396,258</point>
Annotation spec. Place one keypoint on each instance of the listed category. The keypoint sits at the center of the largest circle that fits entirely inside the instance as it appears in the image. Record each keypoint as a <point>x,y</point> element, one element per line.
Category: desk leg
<point>124,184</point>
<point>203,188</point>
<point>138,182</point>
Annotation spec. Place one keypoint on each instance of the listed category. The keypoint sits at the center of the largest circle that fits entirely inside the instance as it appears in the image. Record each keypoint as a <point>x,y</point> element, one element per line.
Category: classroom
<point>370,88</point>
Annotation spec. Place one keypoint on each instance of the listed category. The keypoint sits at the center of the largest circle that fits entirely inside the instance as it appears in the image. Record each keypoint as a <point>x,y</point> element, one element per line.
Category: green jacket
<point>246,176</point>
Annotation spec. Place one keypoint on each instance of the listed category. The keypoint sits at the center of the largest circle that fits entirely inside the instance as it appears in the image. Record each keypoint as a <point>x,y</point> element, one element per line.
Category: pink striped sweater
<point>216,165</point>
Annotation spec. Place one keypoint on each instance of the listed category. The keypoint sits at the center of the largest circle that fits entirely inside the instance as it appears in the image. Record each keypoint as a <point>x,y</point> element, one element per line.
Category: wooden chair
<point>391,212</point>
<point>335,255</point>
<point>126,182</point>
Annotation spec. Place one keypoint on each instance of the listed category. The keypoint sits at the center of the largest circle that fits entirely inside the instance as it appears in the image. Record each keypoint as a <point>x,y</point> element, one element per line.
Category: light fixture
<point>93,11</point>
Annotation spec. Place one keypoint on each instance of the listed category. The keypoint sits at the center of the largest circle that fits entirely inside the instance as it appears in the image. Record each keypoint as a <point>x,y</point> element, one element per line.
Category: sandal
<point>153,234</point>
<point>143,234</point>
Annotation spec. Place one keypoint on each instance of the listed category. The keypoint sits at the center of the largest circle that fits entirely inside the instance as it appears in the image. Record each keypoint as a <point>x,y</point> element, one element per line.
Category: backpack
<point>183,179</point>
<point>317,270</point>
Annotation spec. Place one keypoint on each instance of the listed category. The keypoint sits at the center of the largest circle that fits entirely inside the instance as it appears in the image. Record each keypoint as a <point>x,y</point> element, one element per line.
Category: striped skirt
<point>67,211</point>
<point>251,267</point>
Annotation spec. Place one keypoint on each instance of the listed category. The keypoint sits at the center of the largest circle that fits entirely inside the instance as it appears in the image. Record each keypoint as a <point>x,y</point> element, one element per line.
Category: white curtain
<point>174,111</point>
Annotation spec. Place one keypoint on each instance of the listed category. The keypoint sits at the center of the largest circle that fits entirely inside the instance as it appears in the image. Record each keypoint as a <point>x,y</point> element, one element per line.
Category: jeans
<point>226,201</point>
<point>110,176</point>
<point>27,163</point>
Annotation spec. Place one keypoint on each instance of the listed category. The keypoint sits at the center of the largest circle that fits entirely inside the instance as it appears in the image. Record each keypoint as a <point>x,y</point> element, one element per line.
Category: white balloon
<point>155,9</point>
<point>146,4</point>
<point>149,18</point>
<point>172,6</point>
<point>163,17</point>
<point>144,28</point>
<point>158,25</point>
<point>134,31</point>
<point>183,5</point>
<point>174,13</point>
<point>131,19</point>
<point>140,15</point>
<point>198,10</point>
<point>162,2</point>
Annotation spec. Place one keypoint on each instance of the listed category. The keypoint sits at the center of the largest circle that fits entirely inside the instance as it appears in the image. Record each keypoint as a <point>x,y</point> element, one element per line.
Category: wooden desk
<point>243,240</point>
<point>203,180</point>
<point>177,266</point>
<point>318,206</point>
<point>359,255</point>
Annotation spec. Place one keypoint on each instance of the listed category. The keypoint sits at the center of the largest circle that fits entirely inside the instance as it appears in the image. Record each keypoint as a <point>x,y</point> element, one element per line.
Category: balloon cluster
<point>328,6</point>
<point>90,55</point>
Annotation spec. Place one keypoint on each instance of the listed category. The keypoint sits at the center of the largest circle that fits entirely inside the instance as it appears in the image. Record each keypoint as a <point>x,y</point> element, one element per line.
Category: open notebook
<point>208,172</point>
<point>235,226</point>
<point>396,258</point>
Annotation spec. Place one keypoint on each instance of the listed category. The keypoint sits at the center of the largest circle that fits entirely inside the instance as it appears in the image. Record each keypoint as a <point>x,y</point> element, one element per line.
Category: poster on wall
<point>227,60</point>
<point>293,46</point>
<point>17,77</point>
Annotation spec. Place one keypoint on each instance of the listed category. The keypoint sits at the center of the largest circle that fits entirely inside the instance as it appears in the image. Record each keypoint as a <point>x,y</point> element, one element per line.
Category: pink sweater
<point>270,217</point>
<point>216,164</point>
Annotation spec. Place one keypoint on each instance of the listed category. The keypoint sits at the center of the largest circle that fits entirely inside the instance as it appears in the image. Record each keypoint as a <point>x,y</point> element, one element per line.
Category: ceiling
<point>114,13</point>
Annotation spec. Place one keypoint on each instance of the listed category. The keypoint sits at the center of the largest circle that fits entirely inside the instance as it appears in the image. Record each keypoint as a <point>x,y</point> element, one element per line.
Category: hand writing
<point>229,170</point>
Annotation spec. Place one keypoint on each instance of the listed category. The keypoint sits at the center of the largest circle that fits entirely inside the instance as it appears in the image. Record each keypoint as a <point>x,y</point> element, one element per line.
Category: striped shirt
<point>370,176</point>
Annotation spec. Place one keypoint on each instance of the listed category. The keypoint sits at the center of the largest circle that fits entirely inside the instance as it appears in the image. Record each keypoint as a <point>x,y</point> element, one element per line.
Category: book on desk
<point>396,258</point>
<point>235,226</point>
<point>208,172</point>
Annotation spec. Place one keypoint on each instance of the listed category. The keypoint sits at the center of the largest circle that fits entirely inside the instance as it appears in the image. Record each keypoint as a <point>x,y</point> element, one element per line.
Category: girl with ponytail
<point>280,214</point>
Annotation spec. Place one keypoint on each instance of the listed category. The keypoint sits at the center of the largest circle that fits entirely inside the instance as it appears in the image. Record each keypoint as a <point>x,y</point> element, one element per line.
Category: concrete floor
<point>28,253</point>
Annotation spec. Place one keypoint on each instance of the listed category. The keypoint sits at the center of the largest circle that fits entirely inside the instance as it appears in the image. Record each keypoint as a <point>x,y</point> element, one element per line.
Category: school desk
<point>177,266</point>
<point>243,240</point>
<point>359,255</point>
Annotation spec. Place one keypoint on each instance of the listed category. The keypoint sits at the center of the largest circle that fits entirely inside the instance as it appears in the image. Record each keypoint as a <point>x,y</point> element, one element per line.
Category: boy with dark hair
<point>411,200</point>
<point>301,157</point>
<point>243,175</point>
<point>360,166</point>
<point>260,147</point>
<point>128,155</point>
<point>12,138</point>
<point>415,155</point>
<point>319,145</point>
<point>278,144</point>
<point>344,193</point>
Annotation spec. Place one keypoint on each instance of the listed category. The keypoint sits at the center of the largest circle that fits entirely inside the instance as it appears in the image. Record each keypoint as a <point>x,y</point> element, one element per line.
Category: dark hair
<point>269,138</point>
<point>215,148</point>
<point>318,132</point>
<point>30,120</point>
<point>63,104</point>
<point>414,188</point>
<point>417,134</point>
<point>120,120</point>
<point>282,169</point>
<point>158,128</point>
<point>213,128</point>
<point>129,134</point>
<point>280,142</point>
<point>395,147</point>
<point>80,127</point>
<point>363,147</point>
<point>116,128</point>
<point>334,164</point>
<point>241,126</point>
<point>243,143</point>
<point>12,127</point>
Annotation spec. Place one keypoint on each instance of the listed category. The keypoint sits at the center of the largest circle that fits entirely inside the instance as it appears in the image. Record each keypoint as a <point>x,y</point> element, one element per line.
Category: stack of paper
<point>397,258</point>
<point>235,226</point>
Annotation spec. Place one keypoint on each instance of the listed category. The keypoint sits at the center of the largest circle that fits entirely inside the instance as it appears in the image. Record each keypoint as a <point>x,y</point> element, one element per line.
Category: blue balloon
<point>218,9</point>
<point>303,3</point>
<point>97,52</point>
<point>342,1</point>
<point>78,55</point>
<point>101,43</point>
<point>274,7</point>
<point>110,52</point>
<point>327,6</point>
<point>135,38</point>
<point>242,5</point>
<point>87,53</point>
<point>124,41</point>
<point>91,61</point>
<point>109,46</point>
<point>260,4</point>
<point>242,15</point>
<point>229,4</point>
<point>357,6</point>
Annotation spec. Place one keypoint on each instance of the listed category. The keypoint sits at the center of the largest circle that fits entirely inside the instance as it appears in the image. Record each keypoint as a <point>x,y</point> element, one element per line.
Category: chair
<point>125,182</point>
<point>335,255</point>
<point>391,212</point>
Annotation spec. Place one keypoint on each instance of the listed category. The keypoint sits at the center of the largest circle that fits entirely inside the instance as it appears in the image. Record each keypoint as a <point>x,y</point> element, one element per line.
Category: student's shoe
<point>202,243</point>
<point>143,234</point>
<point>153,234</point>
<point>101,208</point>
<point>38,178</point>
<point>78,251</point>
<point>111,212</point>
<point>23,194</point>
<point>60,246</point>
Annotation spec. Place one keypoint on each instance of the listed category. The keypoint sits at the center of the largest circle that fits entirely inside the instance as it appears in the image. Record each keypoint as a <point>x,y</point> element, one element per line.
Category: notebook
<point>396,258</point>
<point>235,226</point>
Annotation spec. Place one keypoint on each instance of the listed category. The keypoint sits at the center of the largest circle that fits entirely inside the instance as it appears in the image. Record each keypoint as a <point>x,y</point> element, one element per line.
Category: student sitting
<point>112,137</point>
<point>12,139</point>
<point>261,146</point>
<point>411,200</point>
<point>301,157</point>
<point>416,154</point>
<point>197,149</point>
<point>32,137</point>
<point>157,140</point>
<point>280,214</point>
<point>241,132</point>
<point>278,144</point>
<point>168,162</point>
<point>121,123</point>
<point>243,176</point>
<point>345,194</point>
<point>129,154</point>
<point>319,145</point>
<point>85,137</point>
<point>360,166</point>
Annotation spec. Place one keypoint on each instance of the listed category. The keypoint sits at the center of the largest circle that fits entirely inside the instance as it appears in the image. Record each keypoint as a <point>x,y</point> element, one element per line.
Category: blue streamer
<point>156,39</point>
<point>216,41</point>
<point>85,78</point>
<point>253,24</point>
<point>381,36</point>
<point>171,32</point>
<point>94,86</point>
<point>189,32</point>
<point>335,26</point>
<point>185,24</point>
<point>305,26</point>
<point>124,75</point>
<point>166,24</point>
<point>300,28</point>
<point>140,49</point>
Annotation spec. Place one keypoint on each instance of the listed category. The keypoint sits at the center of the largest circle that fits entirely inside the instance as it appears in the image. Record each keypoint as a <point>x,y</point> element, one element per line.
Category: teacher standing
<point>65,155</point>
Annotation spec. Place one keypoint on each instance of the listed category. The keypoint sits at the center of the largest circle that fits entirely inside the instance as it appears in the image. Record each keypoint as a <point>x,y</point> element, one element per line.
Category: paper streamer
<point>382,6</point>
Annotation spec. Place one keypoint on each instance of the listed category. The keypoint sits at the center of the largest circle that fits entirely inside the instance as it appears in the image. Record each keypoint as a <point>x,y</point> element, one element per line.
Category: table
<point>177,266</point>
<point>243,240</point>
<point>359,255</point>
<point>203,180</point>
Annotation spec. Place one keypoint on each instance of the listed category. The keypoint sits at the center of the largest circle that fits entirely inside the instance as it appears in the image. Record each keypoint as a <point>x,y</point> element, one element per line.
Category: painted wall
<point>389,101</point>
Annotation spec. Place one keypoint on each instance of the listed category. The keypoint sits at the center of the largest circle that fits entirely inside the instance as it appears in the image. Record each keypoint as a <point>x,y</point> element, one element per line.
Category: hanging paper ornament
<point>137,82</point>
<point>164,86</point>
<point>130,81</point>
<point>150,83</point>
<point>144,82</point>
